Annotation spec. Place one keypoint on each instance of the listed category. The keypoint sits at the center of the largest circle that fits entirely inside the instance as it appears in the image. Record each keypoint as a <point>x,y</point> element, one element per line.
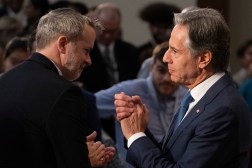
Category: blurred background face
<point>247,59</point>
<point>160,32</point>
<point>15,5</point>
<point>16,57</point>
<point>111,22</point>
<point>31,11</point>
<point>162,80</point>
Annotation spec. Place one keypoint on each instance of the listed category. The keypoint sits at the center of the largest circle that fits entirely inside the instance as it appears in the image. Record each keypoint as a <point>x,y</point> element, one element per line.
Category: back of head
<point>208,31</point>
<point>159,12</point>
<point>242,49</point>
<point>159,16</point>
<point>244,54</point>
<point>61,21</point>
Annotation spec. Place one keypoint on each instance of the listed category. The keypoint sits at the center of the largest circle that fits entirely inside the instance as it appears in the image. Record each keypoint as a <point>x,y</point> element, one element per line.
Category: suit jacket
<point>42,118</point>
<point>95,77</point>
<point>93,118</point>
<point>215,134</point>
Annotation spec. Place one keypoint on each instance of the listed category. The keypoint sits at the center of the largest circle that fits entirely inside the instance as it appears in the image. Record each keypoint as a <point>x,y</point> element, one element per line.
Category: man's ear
<point>205,59</point>
<point>61,44</point>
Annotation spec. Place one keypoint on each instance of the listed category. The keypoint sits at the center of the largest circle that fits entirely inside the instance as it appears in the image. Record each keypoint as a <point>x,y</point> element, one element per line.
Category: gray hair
<point>62,21</point>
<point>208,31</point>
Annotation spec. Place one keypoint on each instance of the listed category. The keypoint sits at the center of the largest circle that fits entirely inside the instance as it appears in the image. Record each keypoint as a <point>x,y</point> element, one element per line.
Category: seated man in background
<point>158,93</point>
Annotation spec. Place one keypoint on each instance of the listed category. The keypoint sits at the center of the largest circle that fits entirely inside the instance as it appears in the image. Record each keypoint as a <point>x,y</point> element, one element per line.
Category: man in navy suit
<point>215,131</point>
<point>43,115</point>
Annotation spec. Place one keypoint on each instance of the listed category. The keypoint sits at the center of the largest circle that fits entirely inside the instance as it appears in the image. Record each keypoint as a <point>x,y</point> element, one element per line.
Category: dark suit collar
<point>200,106</point>
<point>41,59</point>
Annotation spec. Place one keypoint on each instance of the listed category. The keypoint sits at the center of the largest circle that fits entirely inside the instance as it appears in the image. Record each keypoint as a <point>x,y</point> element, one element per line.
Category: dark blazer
<point>215,134</point>
<point>93,118</point>
<point>95,77</point>
<point>42,118</point>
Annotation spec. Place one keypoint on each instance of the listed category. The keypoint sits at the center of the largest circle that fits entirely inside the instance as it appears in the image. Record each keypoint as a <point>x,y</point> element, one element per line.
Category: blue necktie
<point>178,117</point>
<point>182,109</point>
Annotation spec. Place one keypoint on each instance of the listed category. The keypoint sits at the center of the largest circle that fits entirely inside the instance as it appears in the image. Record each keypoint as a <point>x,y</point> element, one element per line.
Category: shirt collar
<point>59,71</point>
<point>199,91</point>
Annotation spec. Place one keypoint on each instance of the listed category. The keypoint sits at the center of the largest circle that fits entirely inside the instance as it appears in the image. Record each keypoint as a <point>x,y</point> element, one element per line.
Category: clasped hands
<point>131,113</point>
<point>99,155</point>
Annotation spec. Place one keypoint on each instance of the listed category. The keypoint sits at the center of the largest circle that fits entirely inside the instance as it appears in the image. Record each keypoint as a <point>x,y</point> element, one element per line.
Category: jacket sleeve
<point>66,129</point>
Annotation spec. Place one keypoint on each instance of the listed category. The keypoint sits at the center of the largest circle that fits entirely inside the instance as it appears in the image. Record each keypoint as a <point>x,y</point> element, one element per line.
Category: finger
<point>121,116</point>
<point>91,137</point>
<point>123,103</point>
<point>99,146</point>
<point>121,96</point>
<point>137,99</point>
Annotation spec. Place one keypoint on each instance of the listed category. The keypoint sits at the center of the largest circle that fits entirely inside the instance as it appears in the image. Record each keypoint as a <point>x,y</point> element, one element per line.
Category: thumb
<point>91,137</point>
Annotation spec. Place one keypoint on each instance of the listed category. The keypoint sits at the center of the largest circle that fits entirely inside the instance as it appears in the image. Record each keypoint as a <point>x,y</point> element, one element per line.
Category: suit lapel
<point>199,108</point>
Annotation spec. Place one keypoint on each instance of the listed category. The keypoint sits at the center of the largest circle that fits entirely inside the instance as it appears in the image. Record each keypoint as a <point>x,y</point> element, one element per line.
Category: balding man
<point>113,60</point>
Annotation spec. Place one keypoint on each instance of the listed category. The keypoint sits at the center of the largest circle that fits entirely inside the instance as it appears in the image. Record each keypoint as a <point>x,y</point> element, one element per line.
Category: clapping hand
<point>132,114</point>
<point>99,155</point>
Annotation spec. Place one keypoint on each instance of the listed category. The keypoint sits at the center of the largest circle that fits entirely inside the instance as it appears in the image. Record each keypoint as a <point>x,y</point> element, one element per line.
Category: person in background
<point>212,127</point>
<point>34,9</point>
<point>145,69</point>
<point>14,9</point>
<point>42,113</point>
<point>9,28</point>
<point>159,16</point>
<point>15,52</point>
<point>113,59</point>
<point>244,55</point>
<point>158,93</point>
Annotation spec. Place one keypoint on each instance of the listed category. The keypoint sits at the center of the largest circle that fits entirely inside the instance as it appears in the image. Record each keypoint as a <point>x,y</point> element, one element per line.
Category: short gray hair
<point>62,21</point>
<point>208,31</point>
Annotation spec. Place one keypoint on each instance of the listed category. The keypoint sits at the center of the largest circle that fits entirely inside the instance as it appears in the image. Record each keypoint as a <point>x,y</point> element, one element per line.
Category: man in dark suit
<point>214,131</point>
<point>42,113</point>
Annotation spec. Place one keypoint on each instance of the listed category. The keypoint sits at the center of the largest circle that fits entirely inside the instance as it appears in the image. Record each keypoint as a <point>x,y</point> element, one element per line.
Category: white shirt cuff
<point>135,137</point>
